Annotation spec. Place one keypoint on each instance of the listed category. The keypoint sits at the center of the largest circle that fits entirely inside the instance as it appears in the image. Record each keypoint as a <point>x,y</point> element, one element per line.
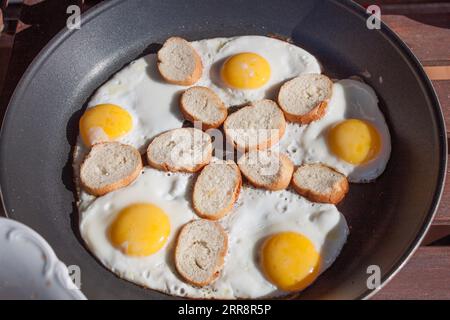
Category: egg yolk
<point>140,229</point>
<point>104,122</point>
<point>246,71</point>
<point>290,261</point>
<point>354,141</point>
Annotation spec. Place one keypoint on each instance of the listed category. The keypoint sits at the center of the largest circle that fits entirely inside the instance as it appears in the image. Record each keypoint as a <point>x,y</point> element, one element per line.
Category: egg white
<point>351,99</point>
<point>256,215</point>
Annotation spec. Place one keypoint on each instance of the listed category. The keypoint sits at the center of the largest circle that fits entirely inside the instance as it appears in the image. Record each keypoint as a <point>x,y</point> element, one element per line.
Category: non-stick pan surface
<point>387,218</point>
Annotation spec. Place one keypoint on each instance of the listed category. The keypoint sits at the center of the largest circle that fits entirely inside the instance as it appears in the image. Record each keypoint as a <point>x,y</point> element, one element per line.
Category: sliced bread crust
<point>204,105</point>
<point>267,169</point>
<point>179,63</point>
<point>216,189</point>
<point>200,251</point>
<point>305,98</point>
<point>257,126</point>
<point>183,149</point>
<point>320,183</point>
<point>109,166</point>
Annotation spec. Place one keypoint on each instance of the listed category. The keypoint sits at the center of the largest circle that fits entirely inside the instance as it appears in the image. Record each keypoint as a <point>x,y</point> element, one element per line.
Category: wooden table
<point>423,25</point>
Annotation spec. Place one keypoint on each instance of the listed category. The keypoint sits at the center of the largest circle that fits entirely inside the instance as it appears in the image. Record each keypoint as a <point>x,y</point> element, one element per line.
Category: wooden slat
<point>443,213</point>
<point>430,8</point>
<point>442,89</point>
<point>432,12</point>
<point>436,233</point>
<point>429,43</point>
<point>425,276</point>
<point>438,72</point>
<point>1,21</point>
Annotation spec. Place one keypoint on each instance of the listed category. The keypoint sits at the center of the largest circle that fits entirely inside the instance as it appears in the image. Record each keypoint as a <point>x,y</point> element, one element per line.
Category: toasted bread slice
<point>216,189</point>
<point>320,183</point>
<point>257,126</point>
<point>179,63</point>
<point>267,169</point>
<point>200,251</point>
<point>204,105</point>
<point>305,98</point>
<point>183,149</point>
<point>109,166</point>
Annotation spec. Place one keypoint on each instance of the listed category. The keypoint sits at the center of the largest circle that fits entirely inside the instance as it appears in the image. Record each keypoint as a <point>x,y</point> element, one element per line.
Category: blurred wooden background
<point>425,27</point>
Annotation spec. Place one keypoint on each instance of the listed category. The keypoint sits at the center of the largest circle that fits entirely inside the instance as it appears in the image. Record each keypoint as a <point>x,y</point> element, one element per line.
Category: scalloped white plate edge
<point>29,268</point>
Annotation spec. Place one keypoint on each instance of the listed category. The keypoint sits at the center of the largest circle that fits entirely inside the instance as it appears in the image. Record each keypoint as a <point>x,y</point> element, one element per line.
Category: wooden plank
<point>429,43</point>
<point>436,13</point>
<point>416,9</point>
<point>425,276</point>
<point>436,233</point>
<point>442,89</point>
<point>443,212</point>
<point>438,72</point>
<point>32,2</point>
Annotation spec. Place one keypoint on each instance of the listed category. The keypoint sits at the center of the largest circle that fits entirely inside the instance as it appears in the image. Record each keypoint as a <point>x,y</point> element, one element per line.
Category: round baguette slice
<point>216,189</point>
<point>183,149</point>
<point>257,126</point>
<point>305,98</point>
<point>319,183</point>
<point>267,169</point>
<point>109,166</point>
<point>204,105</point>
<point>200,251</point>
<point>179,63</point>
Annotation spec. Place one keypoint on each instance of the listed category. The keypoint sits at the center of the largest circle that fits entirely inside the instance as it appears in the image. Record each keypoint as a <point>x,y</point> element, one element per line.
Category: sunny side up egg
<point>279,218</point>
<point>352,137</point>
<point>250,68</point>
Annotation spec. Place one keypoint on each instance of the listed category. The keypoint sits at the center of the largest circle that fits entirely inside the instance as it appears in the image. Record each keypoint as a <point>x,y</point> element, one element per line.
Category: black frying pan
<point>387,218</point>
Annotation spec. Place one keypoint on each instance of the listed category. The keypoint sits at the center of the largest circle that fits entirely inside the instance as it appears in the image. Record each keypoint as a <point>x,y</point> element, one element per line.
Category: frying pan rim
<point>422,78</point>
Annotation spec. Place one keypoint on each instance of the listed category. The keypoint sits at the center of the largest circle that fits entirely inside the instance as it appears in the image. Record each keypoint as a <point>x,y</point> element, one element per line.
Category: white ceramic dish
<point>29,268</point>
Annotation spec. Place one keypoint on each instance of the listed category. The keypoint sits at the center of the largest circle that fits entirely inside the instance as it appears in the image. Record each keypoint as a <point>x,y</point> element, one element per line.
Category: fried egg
<point>136,102</point>
<point>352,137</point>
<point>250,68</point>
<point>133,230</point>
